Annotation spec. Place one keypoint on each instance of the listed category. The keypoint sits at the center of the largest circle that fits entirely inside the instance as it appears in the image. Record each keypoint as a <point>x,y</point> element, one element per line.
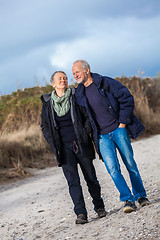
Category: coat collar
<point>97,79</point>
<point>46,97</point>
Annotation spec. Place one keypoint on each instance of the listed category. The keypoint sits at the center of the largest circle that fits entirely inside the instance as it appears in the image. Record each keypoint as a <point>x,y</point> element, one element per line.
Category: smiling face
<point>60,81</point>
<point>80,74</point>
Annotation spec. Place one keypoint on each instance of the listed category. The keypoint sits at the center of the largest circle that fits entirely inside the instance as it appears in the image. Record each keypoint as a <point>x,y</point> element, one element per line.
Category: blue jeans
<point>70,170</point>
<point>119,139</point>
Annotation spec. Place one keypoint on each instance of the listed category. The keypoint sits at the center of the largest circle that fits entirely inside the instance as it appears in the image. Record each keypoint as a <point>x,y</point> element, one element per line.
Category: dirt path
<point>40,207</point>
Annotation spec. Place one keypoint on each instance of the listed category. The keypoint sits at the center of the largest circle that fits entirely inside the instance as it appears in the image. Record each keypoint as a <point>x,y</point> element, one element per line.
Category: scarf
<point>61,105</point>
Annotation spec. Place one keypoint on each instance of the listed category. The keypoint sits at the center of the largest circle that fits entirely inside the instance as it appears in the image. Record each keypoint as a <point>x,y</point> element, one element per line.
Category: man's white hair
<point>85,64</point>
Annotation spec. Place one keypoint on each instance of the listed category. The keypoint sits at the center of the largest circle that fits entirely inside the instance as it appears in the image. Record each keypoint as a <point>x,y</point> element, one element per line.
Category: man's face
<point>79,73</point>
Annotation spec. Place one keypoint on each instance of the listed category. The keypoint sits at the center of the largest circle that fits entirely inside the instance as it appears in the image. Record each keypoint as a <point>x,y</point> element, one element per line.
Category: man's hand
<point>122,125</point>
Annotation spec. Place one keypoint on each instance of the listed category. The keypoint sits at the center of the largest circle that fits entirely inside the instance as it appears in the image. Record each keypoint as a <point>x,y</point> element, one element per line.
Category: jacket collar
<point>97,79</point>
<point>46,97</point>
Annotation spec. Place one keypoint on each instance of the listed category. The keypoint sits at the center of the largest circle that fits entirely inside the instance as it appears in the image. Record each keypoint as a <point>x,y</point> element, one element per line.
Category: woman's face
<point>60,81</point>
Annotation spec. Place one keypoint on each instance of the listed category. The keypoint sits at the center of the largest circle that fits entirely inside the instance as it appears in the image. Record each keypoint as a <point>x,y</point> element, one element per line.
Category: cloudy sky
<point>117,37</point>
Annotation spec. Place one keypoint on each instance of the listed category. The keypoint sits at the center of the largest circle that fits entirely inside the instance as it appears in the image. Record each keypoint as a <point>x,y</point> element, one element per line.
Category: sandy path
<point>40,207</point>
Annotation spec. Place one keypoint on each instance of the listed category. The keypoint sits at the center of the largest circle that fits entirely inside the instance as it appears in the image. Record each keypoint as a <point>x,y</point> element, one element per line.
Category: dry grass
<point>24,149</point>
<point>146,94</point>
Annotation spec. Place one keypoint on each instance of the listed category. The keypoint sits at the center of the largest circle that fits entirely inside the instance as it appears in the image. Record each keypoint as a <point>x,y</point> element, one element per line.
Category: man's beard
<point>84,80</point>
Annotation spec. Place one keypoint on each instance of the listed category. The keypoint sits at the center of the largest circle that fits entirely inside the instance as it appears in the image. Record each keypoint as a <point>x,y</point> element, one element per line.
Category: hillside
<point>23,108</point>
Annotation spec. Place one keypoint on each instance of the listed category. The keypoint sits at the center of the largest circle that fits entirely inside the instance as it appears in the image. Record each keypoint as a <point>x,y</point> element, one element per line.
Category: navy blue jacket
<point>81,126</point>
<point>117,99</point>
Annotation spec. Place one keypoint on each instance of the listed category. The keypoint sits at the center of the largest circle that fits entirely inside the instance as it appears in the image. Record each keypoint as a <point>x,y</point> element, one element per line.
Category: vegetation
<point>21,109</point>
<point>146,94</point>
<point>21,141</point>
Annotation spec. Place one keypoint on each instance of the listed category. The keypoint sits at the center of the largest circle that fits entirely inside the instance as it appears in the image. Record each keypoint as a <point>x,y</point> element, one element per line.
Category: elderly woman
<point>66,128</point>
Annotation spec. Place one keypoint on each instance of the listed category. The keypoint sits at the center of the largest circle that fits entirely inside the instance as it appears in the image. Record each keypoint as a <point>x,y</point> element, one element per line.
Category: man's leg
<point>124,146</point>
<point>109,154</point>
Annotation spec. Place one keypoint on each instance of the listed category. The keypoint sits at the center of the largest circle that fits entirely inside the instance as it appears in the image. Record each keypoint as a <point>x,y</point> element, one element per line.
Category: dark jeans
<point>70,169</point>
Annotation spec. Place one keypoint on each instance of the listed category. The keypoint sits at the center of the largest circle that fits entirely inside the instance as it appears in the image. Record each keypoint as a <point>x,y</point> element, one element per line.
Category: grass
<point>23,149</point>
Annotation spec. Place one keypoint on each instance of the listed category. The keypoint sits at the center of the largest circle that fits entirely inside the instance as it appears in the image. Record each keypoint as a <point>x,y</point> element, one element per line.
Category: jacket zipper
<point>107,102</point>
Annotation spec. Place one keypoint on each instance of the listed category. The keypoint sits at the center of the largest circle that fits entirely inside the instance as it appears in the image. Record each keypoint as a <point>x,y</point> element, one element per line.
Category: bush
<point>146,94</point>
<point>25,148</point>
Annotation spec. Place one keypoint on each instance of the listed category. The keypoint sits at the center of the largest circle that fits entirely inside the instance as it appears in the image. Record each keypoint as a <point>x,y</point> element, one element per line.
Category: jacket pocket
<point>135,128</point>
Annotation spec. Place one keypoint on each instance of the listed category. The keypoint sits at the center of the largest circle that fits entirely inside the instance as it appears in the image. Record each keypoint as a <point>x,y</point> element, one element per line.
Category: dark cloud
<point>35,35</point>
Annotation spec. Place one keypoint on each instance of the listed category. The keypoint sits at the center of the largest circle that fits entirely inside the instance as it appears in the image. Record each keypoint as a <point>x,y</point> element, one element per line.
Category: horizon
<point>74,82</point>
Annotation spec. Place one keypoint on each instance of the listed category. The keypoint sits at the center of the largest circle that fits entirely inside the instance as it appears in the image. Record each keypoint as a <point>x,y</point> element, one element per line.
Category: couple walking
<point>101,108</point>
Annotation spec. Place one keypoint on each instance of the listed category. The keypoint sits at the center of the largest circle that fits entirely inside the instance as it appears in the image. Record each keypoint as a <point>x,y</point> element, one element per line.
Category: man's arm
<point>125,100</point>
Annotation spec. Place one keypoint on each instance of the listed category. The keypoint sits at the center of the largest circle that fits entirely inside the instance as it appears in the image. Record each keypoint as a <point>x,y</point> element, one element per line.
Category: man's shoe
<point>143,201</point>
<point>129,207</point>
<point>81,219</point>
<point>101,212</point>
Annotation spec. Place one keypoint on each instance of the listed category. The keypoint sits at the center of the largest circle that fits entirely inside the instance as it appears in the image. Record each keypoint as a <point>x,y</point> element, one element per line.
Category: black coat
<point>81,126</point>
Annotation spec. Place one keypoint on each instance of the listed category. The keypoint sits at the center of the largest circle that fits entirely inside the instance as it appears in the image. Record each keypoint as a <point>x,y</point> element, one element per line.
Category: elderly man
<point>110,106</point>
